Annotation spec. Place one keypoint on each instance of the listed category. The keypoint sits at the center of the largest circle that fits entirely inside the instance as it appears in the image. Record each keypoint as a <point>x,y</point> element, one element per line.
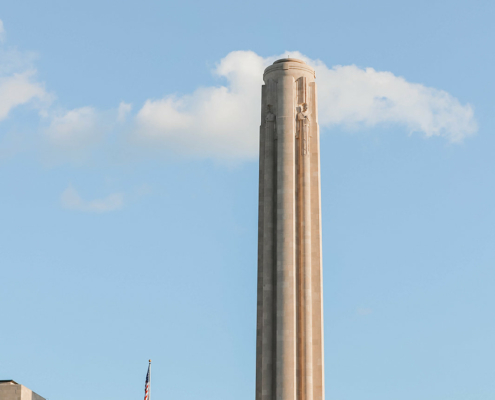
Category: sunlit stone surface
<point>289,363</point>
<point>11,390</point>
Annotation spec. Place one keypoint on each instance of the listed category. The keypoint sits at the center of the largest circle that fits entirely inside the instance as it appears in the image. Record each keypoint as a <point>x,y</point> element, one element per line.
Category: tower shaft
<point>290,320</point>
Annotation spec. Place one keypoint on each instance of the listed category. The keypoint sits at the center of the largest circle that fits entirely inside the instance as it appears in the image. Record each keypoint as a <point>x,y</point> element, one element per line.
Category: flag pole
<point>149,366</point>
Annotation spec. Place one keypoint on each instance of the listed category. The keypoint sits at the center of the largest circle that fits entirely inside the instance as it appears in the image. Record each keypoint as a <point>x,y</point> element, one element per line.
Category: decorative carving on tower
<point>303,127</point>
<point>270,126</point>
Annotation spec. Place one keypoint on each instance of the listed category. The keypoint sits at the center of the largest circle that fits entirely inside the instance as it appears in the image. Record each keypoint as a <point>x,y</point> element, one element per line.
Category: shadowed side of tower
<point>289,364</point>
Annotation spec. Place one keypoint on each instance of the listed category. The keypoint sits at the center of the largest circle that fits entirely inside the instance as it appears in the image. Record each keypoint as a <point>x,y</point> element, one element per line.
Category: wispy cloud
<point>18,89</point>
<point>2,32</point>
<point>73,136</point>
<point>364,311</point>
<point>18,83</point>
<point>71,200</point>
<point>123,110</point>
<point>74,128</point>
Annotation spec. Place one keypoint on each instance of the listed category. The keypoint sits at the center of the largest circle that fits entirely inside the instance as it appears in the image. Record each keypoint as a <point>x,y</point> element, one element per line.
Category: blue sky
<point>128,197</point>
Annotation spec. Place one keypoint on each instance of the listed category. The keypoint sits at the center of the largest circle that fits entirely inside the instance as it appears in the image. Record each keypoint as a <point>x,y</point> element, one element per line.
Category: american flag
<point>147,385</point>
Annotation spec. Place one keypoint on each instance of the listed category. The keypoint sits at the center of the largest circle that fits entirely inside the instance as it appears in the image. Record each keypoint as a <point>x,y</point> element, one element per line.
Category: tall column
<point>289,333</point>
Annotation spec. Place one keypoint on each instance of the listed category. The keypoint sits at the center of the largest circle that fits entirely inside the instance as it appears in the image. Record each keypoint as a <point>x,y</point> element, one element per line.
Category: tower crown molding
<point>289,60</point>
<point>290,66</point>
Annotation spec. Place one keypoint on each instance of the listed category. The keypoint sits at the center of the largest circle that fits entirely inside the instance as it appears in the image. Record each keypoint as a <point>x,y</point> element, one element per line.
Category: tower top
<point>289,66</point>
<point>282,60</point>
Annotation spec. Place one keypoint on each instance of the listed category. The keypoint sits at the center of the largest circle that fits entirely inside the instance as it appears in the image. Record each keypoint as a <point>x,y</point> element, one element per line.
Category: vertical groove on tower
<point>286,316</point>
<point>316,256</point>
<point>269,245</point>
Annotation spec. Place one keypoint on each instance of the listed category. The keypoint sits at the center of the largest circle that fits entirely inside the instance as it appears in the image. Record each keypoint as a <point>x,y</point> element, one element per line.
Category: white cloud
<point>364,97</point>
<point>75,129</point>
<point>123,110</point>
<point>213,121</point>
<point>2,32</point>
<point>77,135</point>
<point>18,89</point>
<point>71,200</point>
<point>17,79</point>
<point>223,121</point>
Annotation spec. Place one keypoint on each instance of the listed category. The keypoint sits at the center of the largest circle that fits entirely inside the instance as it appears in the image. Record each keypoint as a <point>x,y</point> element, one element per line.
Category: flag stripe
<point>147,385</point>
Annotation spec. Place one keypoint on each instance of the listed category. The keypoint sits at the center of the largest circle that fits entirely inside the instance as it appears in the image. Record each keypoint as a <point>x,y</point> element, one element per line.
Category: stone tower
<point>11,390</point>
<point>289,347</point>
